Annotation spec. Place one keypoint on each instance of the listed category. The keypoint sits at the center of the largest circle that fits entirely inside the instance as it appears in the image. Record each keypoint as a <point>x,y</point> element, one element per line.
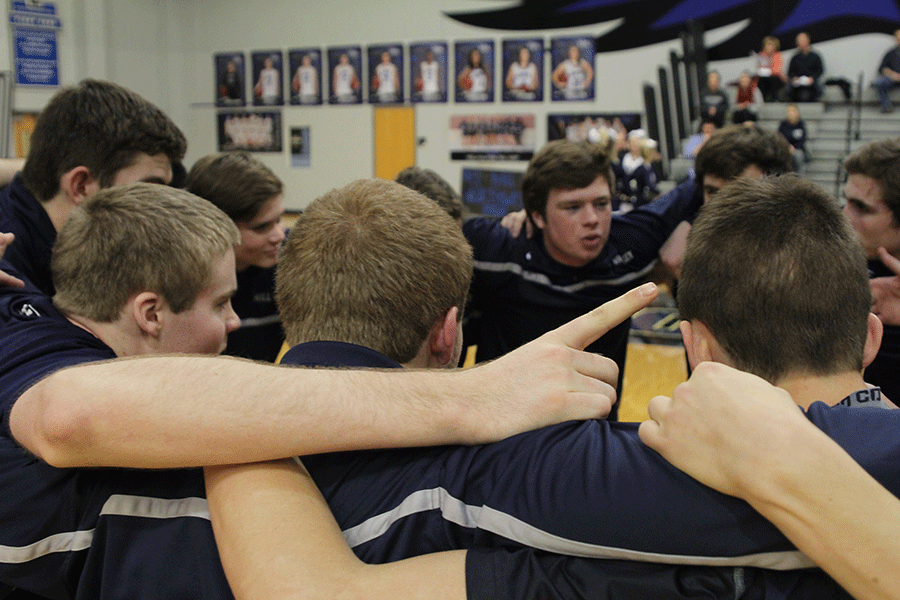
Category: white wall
<point>163,49</point>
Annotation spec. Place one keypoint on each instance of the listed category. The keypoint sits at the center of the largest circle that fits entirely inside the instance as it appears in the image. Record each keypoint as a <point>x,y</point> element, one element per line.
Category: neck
<point>830,389</point>
<point>114,335</point>
<point>58,208</point>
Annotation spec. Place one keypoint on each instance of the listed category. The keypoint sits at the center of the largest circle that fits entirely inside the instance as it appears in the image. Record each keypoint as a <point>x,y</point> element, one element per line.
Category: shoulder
<point>36,340</point>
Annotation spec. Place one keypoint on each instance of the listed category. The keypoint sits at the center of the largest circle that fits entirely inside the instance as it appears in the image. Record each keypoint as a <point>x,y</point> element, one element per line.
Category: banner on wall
<point>523,63</point>
<point>428,72</point>
<point>253,131</point>
<point>230,73</point>
<point>305,66</point>
<point>572,68</point>
<point>475,71</point>
<point>35,47</point>
<point>492,137</point>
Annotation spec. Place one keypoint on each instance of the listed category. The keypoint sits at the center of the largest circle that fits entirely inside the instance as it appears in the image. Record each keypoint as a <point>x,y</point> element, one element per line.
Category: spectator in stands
<point>747,100</point>
<point>794,131</point>
<point>635,175</point>
<point>888,75</point>
<point>805,72</point>
<point>713,100</point>
<point>695,142</point>
<point>252,196</point>
<point>770,77</point>
<point>872,192</point>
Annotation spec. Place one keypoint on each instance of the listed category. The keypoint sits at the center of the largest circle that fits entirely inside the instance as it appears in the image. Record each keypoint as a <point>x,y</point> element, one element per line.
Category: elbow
<point>50,425</point>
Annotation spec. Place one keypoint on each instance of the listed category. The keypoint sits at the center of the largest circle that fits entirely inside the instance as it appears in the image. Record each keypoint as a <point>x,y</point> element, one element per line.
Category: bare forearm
<point>196,411</point>
<point>277,539</point>
<point>184,411</point>
<point>835,513</point>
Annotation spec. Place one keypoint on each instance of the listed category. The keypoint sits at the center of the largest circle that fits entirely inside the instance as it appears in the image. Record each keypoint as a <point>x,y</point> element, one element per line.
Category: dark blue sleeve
<point>645,229</point>
<point>493,574</point>
<point>594,489</point>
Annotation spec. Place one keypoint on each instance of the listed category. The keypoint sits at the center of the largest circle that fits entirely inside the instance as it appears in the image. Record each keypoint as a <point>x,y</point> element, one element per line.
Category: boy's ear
<point>79,184</point>
<point>873,339</point>
<point>538,219</point>
<point>697,342</point>
<point>443,339</point>
<point>147,312</point>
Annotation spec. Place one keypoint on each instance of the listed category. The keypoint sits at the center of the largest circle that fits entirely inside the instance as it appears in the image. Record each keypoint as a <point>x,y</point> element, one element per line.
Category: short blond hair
<point>134,238</point>
<point>374,264</point>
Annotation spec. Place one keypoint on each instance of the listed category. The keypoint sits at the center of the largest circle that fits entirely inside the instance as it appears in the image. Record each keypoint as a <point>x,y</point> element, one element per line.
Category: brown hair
<point>880,161</point>
<point>431,185</point>
<point>562,164</point>
<point>732,149</point>
<point>236,182</point>
<point>133,238</point>
<point>775,272</point>
<point>374,264</point>
<point>99,125</point>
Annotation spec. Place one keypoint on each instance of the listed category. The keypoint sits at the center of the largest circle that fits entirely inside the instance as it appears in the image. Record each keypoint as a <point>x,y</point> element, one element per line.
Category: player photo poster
<point>305,68</point>
<point>572,68</point>
<point>253,131</point>
<point>267,73</point>
<point>344,68</point>
<point>385,74</point>
<point>230,73</point>
<point>475,71</point>
<point>523,65</point>
<point>428,72</point>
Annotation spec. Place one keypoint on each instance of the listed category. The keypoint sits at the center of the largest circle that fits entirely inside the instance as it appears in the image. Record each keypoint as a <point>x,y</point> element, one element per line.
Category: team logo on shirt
<point>28,311</point>
<point>648,22</point>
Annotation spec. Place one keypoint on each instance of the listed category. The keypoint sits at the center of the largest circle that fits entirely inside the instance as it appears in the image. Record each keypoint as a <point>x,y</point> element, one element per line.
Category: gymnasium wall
<point>164,50</point>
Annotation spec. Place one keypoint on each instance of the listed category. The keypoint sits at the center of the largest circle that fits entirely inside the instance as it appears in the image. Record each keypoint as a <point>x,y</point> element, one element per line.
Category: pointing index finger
<point>583,331</point>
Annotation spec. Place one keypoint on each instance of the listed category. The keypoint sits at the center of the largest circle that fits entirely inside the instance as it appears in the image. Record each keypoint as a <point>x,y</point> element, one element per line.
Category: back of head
<point>775,272</point>
<point>732,149</point>
<point>133,238</point>
<point>374,264</point>
<point>880,161</point>
<point>99,125</point>
<point>431,185</point>
<point>562,164</point>
<point>236,182</point>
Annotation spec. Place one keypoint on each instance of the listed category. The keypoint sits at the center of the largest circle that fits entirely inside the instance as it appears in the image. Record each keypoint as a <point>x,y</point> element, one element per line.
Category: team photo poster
<point>523,65</point>
<point>305,67</point>
<point>572,68</point>
<point>475,71</point>
<point>267,78</point>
